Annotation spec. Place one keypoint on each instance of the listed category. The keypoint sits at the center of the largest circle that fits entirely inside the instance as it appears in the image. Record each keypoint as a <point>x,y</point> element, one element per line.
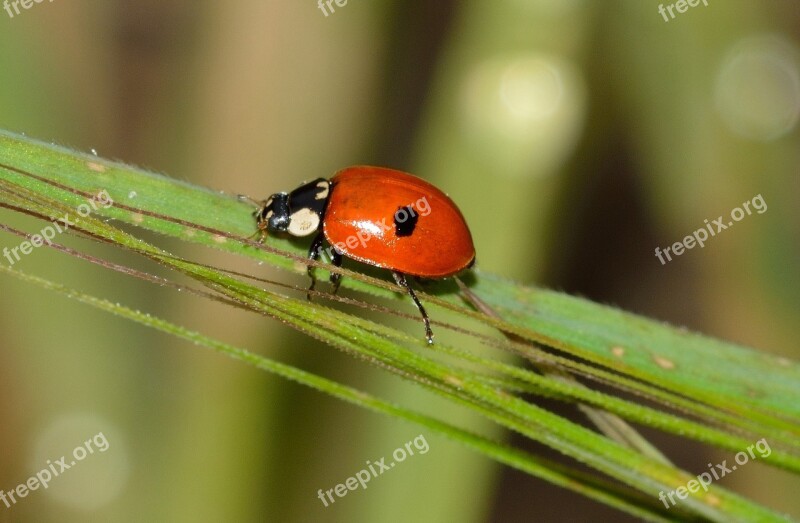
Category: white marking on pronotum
<point>325,186</point>
<point>303,222</point>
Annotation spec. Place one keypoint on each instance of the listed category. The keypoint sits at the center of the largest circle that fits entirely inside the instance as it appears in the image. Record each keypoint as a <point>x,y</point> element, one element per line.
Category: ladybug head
<point>273,215</point>
<point>298,213</point>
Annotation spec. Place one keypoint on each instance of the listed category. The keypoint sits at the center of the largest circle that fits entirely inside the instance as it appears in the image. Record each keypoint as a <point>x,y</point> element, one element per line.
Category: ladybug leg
<point>400,278</point>
<point>313,255</point>
<point>336,278</point>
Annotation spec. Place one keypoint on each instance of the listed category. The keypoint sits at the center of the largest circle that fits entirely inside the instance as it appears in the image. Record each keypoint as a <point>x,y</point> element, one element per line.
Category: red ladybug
<point>378,216</point>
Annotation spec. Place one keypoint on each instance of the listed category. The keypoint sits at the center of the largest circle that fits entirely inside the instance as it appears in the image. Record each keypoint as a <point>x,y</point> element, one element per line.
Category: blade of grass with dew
<point>667,356</point>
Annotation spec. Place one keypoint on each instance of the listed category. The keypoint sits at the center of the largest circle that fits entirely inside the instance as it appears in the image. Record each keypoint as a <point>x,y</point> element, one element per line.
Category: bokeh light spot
<point>758,88</point>
<point>93,481</point>
<point>524,113</point>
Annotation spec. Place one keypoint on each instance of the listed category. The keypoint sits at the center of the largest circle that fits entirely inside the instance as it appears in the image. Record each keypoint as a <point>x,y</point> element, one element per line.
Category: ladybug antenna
<point>244,197</point>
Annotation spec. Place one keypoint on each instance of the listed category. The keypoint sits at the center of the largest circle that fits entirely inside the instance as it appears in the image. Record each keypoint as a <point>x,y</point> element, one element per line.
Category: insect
<point>378,216</point>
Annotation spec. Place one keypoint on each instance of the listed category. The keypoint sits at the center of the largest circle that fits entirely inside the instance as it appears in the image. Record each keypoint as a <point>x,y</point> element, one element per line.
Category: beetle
<point>378,216</point>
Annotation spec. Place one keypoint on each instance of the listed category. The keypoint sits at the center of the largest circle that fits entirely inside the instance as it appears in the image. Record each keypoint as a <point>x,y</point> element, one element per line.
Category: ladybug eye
<point>275,212</point>
<point>303,222</point>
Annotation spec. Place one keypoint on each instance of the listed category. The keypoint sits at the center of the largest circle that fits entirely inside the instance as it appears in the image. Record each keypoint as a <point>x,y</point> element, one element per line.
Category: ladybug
<point>378,216</point>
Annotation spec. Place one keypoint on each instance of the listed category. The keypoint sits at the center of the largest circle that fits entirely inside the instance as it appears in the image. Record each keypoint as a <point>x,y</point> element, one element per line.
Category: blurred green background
<point>576,137</point>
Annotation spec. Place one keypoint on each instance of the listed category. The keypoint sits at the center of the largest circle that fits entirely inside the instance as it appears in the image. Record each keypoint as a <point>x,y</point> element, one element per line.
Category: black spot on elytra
<point>405,221</point>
